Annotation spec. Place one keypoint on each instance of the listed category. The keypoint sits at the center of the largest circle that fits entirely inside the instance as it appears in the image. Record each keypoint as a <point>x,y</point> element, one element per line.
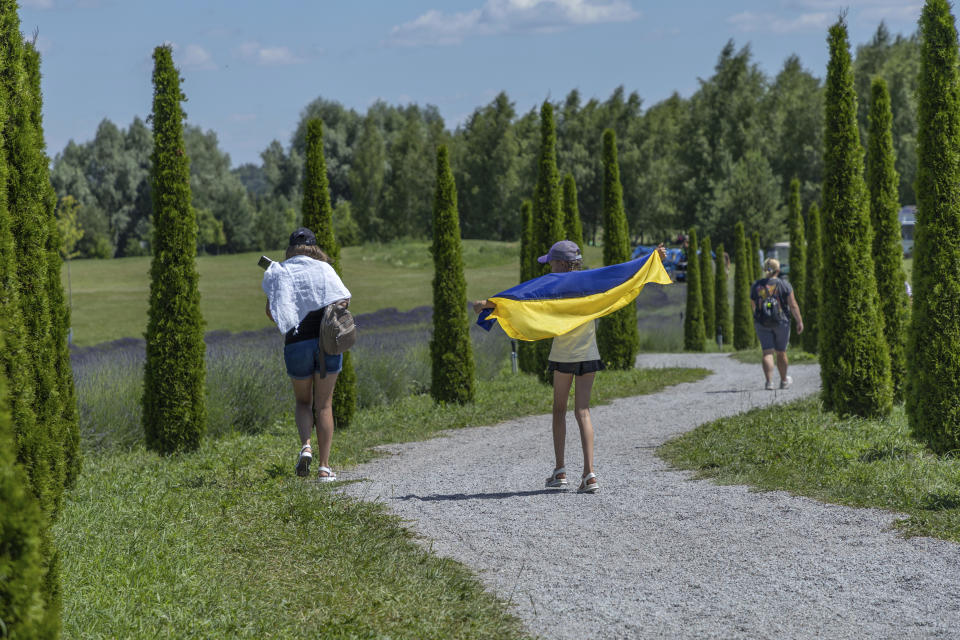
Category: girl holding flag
<point>564,304</point>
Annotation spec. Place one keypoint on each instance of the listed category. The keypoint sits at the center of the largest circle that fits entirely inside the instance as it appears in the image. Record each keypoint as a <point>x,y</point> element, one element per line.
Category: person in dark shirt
<point>774,339</point>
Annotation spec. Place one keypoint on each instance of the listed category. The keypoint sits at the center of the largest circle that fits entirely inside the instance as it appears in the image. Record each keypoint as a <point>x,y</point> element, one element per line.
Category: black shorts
<point>576,368</point>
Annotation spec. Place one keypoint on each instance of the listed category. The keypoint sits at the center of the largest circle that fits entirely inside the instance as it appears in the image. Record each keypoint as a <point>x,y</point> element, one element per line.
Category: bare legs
<point>581,410</point>
<point>782,362</point>
<point>314,397</point>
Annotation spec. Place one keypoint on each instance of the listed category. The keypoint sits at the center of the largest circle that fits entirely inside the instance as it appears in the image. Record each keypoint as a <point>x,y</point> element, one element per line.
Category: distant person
<point>773,303</point>
<point>298,289</point>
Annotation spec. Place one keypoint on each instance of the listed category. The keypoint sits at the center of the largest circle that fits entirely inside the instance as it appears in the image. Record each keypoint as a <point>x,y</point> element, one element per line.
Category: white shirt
<point>299,285</point>
<point>577,345</point>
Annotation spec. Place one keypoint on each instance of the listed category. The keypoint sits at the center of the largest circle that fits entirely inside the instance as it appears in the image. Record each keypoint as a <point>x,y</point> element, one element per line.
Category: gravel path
<point>655,554</point>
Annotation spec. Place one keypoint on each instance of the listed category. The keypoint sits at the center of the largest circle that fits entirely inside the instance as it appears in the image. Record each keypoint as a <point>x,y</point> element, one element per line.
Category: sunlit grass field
<point>110,297</point>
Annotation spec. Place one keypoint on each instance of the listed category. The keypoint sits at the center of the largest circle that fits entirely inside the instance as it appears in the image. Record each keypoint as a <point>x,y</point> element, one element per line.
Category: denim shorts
<point>303,359</point>
<point>775,338</point>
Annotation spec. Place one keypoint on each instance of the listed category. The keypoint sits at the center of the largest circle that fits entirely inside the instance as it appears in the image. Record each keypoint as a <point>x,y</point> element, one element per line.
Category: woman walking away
<point>773,303</point>
<point>298,289</point>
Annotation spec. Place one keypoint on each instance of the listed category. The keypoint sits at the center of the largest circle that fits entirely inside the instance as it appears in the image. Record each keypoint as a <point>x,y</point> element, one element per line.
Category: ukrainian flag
<point>557,303</point>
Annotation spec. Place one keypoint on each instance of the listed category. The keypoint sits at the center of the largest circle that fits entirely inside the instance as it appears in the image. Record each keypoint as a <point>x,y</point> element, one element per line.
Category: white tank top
<point>578,345</point>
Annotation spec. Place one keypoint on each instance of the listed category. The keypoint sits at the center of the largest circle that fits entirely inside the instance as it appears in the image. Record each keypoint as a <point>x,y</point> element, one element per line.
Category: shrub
<point>854,363</point>
<point>884,182</point>
<point>318,217</point>
<point>933,383</point>
<point>708,285</point>
<point>811,306</point>
<point>743,333</point>
<point>572,227</point>
<point>174,411</point>
<point>693,329</point>
<point>617,337</point>
<point>798,253</point>
<point>450,350</point>
<point>723,320</point>
<point>527,351</point>
<point>755,253</point>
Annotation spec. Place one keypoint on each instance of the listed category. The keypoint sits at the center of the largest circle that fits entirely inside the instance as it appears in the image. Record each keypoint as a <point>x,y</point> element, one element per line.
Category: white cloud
<point>196,58</point>
<point>750,21</point>
<point>267,55</point>
<point>504,16</point>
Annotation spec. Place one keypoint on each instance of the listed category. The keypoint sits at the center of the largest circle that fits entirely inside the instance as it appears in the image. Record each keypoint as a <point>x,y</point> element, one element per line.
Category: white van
<point>781,252</point>
<point>908,220</point>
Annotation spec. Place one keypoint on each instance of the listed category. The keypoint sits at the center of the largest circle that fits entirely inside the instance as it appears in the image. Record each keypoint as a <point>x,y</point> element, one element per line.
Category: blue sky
<point>250,66</point>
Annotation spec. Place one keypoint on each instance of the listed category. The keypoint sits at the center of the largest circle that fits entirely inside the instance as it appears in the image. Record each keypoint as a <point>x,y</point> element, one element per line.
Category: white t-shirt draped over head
<point>299,285</point>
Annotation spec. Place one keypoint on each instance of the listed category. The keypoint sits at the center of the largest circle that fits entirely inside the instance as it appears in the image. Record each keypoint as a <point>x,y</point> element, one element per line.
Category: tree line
<point>726,153</point>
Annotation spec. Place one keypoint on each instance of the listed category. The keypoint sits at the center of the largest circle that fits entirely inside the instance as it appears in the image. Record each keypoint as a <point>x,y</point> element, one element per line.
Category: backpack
<point>337,330</point>
<point>770,312</point>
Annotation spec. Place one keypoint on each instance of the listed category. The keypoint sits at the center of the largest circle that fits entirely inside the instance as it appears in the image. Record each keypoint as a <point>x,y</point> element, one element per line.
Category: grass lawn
<point>227,543</point>
<point>857,462</point>
<point>110,297</point>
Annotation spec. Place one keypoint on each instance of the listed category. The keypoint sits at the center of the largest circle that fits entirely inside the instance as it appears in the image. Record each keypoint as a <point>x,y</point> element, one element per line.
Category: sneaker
<point>769,386</point>
<point>786,382</point>
<point>303,461</point>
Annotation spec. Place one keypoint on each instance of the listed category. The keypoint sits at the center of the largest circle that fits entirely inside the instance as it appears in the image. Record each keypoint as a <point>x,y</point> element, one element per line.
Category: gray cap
<point>565,250</point>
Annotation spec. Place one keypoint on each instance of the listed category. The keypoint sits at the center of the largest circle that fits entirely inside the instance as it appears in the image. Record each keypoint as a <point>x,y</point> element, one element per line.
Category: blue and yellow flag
<point>557,303</point>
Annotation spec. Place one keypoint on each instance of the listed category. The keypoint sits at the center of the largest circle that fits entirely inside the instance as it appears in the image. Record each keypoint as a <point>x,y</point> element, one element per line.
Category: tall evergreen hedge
<point>23,609</point>
<point>174,409</point>
<point>883,181</point>
<point>743,333</point>
<point>708,284</point>
<point>798,253</point>
<point>933,379</point>
<point>547,216</point>
<point>811,301</point>
<point>318,217</point>
<point>755,253</point>
<point>617,336</point>
<point>854,362</point>
<point>723,320</point>
<point>572,227</point>
<point>694,333</point>
<point>527,351</point>
<point>450,350</point>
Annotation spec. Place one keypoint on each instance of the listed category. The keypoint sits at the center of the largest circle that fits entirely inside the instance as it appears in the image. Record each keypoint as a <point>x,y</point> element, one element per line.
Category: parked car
<point>781,252</point>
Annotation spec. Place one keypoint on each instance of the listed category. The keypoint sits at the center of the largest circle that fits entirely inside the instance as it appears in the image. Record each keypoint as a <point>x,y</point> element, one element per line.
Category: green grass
<point>754,356</point>
<point>802,449</point>
<point>226,543</point>
<point>109,297</point>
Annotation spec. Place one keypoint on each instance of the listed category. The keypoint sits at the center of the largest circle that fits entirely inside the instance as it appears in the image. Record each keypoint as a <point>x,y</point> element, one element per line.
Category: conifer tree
<point>743,333</point>
<point>723,320</point>
<point>174,409</point>
<point>573,228</point>
<point>811,308</point>
<point>798,253</point>
<point>618,338</point>
<point>755,254</point>
<point>933,381</point>
<point>527,351</point>
<point>318,217</point>
<point>708,285</point>
<point>854,362</point>
<point>68,433</point>
<point>23,608</point>
<point>450,348</point>
<point>883,181</point>
<point>694,334</point>
<point>547,215</point>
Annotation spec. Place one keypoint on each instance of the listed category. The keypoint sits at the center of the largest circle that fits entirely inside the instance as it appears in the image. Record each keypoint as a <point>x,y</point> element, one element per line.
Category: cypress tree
<point>755,253</point>
<point>708,286</point>
<point>450,349</point>
<point>527,351</point>
<point>174,411</point>
<point>743,333</point>
<point>572,227</point>
<point>723,320</point>
<point>618,338</point>
<point>547,216</point>
<point>318,217</point>
<point>811,308</point>
<point>854,362</point>
<point>68,434</point>
<point>23,609</point>
<point>933,382</point>
<point>884,182</point>
<point>694,334</point>
<point>798,252</point>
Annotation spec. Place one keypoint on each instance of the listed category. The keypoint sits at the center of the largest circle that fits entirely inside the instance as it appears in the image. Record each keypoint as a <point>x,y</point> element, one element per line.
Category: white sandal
<point>586,486</point>
<point>330,477</point>
<point>303,461</point>
<point>555,481</point>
